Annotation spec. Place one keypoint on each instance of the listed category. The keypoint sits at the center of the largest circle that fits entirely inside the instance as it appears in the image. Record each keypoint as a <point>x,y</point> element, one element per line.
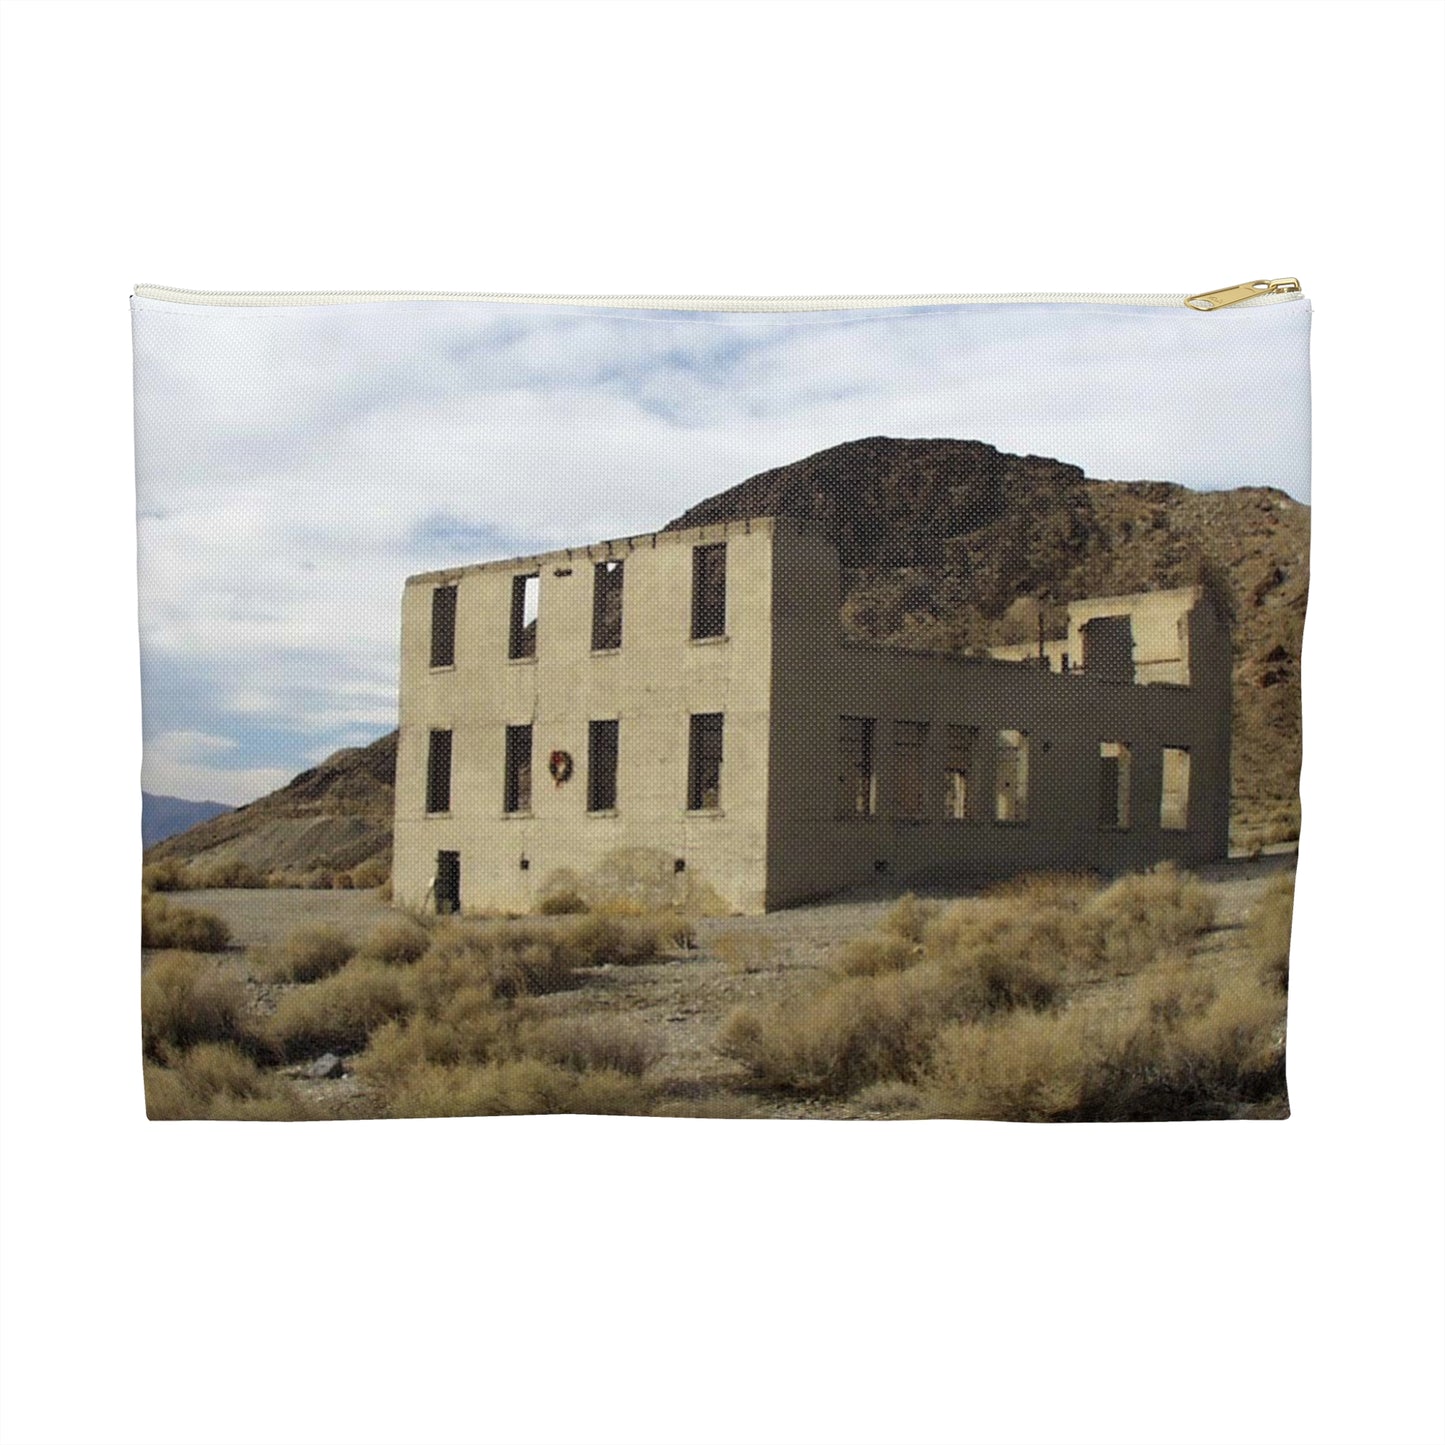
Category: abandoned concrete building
<point>682,711</point>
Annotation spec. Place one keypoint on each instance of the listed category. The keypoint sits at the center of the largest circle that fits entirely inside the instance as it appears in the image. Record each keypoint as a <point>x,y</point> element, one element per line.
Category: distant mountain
<point>940,539</point>
<point>162,817</point>
<point>331,818</point>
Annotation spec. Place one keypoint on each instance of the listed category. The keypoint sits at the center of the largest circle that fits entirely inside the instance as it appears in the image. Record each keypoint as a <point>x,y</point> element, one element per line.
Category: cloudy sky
<point>296,464</point>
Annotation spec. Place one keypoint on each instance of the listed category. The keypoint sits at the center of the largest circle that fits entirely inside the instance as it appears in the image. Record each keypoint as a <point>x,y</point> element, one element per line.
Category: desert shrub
<point>1013,1066</point>
<point>164,877</point>
<point>1204,1063</point>
<point>310,953</point>
<point>338,1013</point>
<point>603,940</point>
<point>509,959</point>
<point>591,1043</point>
<point>1045,890</point>
<point>227,873</point>
<point>217,1081</point>
<point>1173,990</point>
<point>1049,940</point>
<point>848,1033</point>
<point>397,940</point>
<point>875,953</point>
<point>873,1016</point>
<point>1143,913</point>
<point>164,925</point>
<point>1162,1054</point>
<point>563,901</point>
<point>909,919</point>
<point>516,1086</point>
<point>454,1017</point>
<point>187,999</point>
<point>1269,930</point>
<point>371,874</point>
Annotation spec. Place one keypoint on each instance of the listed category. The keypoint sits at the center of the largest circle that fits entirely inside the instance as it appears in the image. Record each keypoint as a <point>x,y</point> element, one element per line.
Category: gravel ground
<point>681,1001</point>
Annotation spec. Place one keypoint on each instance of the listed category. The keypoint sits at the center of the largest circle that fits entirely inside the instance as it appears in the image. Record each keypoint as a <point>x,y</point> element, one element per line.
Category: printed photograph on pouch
<point>876,712</point>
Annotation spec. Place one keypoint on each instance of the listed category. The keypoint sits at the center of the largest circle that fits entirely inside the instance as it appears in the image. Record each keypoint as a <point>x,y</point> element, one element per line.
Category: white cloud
<point>296,465</point>
<point>192,765</point>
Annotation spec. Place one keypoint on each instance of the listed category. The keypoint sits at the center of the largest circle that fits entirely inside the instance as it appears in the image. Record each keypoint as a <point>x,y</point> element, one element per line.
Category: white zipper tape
<point>681,303</point>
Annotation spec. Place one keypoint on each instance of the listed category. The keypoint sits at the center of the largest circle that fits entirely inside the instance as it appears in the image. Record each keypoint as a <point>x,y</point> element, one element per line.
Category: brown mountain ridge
<point>946,545</point>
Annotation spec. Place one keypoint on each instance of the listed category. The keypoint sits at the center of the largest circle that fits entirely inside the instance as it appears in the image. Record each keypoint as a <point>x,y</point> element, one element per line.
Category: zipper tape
<point>1247,294</point>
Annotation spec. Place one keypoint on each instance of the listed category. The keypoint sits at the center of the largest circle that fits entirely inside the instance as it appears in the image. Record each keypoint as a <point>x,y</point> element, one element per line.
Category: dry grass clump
<point>467,1003</point>
<point>311,953</point>
<point>910,918</point>
<point>372,873</point>
<point>1020,1066</point>
<point>164,925</point>
<point>1167,1053</point>
<point>974,1009</point>
<point>588,1044</point>
<point>1269,931</point>
<point>515,1086</point>
<point>218,1081</point>
<point>171,876</point>
<point>339,1013</point>
<point>164,877</point>
<point>453,1018</point>
<point>1142,913</point>
<point>875,953</point>
<point>227,873</point>
<point>510,959</point>
<point>472,1040</point>
<point>397,940</point>
<point>561,902</point>
<point>873,1015</point>
<point>848,1033</point>
<point>1046,890</point>
<point>187,999</point>
<point>1048,940</point>
<point>602,940</point>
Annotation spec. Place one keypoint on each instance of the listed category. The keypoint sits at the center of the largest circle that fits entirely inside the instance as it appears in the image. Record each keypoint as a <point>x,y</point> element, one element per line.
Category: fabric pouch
<point>811,707</point>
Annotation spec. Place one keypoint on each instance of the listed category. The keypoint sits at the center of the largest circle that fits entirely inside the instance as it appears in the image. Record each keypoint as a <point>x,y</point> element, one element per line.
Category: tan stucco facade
<point>841,763</point>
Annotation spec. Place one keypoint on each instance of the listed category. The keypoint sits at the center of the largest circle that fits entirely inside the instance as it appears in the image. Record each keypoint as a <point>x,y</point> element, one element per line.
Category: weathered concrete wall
<point>783,677</point>
<point>650,685</point>
<point>820,679</point>
<point>1159,621</point>
<point>1161,636</point>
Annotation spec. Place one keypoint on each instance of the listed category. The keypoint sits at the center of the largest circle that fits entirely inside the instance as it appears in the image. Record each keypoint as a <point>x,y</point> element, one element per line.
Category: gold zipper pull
<point>1228,295</point>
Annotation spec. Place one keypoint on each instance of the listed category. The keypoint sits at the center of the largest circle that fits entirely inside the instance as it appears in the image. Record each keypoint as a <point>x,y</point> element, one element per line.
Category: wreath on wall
<point>559,764</point>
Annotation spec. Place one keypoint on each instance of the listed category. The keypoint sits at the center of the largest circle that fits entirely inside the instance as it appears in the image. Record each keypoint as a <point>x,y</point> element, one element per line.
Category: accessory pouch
<point>804,707</point>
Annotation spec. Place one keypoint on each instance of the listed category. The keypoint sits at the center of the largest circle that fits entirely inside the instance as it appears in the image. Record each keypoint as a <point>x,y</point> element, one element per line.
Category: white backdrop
<point>641,1281</point>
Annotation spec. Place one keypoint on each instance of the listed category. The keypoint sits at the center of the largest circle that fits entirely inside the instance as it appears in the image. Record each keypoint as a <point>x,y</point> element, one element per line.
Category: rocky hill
<point>940,540</point>
<point>332,819</point>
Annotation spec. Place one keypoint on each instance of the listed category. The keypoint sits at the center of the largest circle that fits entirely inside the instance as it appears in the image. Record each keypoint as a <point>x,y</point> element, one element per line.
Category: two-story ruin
<point>682,707</point>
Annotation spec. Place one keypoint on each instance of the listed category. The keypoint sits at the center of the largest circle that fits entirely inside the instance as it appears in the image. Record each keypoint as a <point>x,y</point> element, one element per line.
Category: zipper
<point>1246,290</point>
<point>1250,293</point>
